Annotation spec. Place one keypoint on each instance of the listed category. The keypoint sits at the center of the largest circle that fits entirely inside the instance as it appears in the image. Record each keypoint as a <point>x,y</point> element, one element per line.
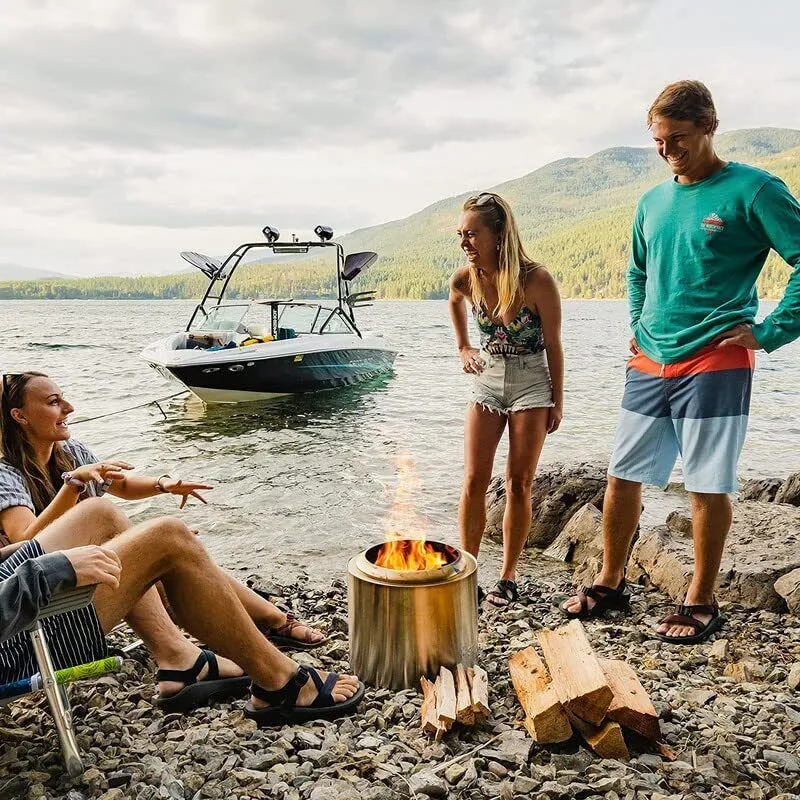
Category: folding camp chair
<point>54,683</point>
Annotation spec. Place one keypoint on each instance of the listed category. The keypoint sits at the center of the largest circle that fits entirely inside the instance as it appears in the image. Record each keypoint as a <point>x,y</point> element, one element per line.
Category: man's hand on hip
<point>740,335</point>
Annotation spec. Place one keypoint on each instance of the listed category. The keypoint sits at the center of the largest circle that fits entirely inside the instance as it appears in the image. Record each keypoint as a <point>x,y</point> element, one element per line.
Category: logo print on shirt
<point>712,224</point>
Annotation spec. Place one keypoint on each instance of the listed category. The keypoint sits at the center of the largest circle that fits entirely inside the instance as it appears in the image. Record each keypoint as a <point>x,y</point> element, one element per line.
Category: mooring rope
<point>132,408</point>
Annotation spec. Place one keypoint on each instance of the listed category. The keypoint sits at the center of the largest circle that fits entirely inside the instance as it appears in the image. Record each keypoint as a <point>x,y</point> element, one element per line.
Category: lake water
<point>309,480</point>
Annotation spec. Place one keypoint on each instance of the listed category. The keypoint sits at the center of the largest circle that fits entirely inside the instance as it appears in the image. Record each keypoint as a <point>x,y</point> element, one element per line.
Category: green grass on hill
<point>574,215</point>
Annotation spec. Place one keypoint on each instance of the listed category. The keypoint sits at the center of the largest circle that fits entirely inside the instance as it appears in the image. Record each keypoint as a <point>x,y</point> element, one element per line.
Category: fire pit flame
<point>406,549</point>
<point>409,554</point>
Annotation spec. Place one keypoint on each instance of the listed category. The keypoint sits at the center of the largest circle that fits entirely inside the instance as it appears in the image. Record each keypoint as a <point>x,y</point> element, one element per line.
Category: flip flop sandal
<point>605,599</point>
<point>282,636</point>
<point>283,709</point>
<point>197,693</point>
<point>507,590</point>
<point>683,617</point>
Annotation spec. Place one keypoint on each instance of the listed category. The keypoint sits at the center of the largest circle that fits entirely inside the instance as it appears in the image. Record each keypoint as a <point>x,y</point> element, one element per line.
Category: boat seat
<point>287,333</point>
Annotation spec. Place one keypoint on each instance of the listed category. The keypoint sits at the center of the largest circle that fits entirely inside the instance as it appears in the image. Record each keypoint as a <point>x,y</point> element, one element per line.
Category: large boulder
<point>788,587</point>
<point>789,491</point>
<point>762,546</point>
<point>773,490</point>
<point>761,489</point>
<point>558,492</point>
<point>581,544</point>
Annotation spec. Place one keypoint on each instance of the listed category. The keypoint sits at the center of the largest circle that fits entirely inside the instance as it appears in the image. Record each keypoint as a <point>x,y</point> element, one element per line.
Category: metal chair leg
<point>59,703</point>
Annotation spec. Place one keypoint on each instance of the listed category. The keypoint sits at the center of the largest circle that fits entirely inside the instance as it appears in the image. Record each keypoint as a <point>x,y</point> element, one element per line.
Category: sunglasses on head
<point>6,388</point>
<point>484,198</point>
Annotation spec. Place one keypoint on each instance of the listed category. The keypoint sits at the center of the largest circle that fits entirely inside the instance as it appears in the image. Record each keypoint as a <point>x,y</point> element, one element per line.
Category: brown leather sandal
<point>683,617</point>
<point>605,599</point>
<point>282,636</point>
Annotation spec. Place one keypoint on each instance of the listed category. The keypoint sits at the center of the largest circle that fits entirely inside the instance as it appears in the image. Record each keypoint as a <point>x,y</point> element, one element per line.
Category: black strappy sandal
<point>683,617</point>
<point>197,693</point>
<point>507,590</point>
<point>283,709</point>
<point>605,599</point>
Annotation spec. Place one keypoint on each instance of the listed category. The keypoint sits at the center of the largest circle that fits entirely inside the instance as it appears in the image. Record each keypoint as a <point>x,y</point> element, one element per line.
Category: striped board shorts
<point>697,408</point>
<point>73,638</point>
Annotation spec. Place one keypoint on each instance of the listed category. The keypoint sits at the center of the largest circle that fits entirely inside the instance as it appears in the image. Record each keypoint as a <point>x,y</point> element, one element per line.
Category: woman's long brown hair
<point>513,262</point>
<point>17,450</point>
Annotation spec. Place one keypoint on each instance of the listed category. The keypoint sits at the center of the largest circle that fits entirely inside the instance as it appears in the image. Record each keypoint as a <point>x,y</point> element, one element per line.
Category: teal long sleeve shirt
<point>696,253</point>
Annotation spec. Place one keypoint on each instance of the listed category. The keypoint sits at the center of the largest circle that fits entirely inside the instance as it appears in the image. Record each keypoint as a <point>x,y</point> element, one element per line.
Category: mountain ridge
<point>574,215</point>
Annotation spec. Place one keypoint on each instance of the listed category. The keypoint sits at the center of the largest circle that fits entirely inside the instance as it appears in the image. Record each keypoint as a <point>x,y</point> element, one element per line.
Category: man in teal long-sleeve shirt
<point>699,243</point>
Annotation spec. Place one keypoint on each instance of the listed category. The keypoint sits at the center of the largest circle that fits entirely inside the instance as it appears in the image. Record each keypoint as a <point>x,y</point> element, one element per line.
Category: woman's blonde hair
<point>513,261</point>
<point>17,450</point>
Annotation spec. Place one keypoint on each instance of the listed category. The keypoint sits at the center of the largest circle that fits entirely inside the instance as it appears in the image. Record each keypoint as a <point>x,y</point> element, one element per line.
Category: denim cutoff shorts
<point>512,383</point>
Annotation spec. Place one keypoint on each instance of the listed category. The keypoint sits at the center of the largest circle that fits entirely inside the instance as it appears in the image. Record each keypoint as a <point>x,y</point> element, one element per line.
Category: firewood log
<point>446,697</point>
<point>605,739</point>
<point>429,721</point>
<point>575,671</point>
<point>545,718</point>
<point>465,714</point>
<point>631,705</point>
<point>479,688</point>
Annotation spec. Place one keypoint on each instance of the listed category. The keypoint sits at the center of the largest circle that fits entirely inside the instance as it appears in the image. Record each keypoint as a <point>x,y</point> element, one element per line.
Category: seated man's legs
<point>204,602</point>
<point>98,521</point>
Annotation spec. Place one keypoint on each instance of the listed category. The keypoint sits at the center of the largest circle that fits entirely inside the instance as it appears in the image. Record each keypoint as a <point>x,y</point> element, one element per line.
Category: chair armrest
<point>68,600</point>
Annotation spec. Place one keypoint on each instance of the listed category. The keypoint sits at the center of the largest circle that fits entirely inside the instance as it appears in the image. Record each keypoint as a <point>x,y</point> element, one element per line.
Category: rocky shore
<point>730,710</point>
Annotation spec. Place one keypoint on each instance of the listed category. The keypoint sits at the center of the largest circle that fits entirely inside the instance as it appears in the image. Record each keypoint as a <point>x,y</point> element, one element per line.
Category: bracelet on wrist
<point>159,485</point>
<point>73,482</point>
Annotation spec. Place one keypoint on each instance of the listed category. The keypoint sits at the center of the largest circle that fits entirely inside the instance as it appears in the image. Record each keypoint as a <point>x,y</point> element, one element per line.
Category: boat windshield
<point>221,318</point>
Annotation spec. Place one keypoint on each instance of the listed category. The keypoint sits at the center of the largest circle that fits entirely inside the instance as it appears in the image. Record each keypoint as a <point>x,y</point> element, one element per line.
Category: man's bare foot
<point>343,689</point>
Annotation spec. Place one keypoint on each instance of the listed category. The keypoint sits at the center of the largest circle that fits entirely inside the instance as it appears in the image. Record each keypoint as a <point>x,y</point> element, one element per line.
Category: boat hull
<point>246,380</point>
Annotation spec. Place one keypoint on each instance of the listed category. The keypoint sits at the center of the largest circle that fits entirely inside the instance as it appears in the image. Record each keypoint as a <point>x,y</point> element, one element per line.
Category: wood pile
<point>460,695</point>
<point>574,689</point>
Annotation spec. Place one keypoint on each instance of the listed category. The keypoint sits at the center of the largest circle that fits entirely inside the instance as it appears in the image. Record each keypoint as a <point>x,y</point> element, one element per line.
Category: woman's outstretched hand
<point>102,471</point>
<point>185,489</point>
<point>471,360</point>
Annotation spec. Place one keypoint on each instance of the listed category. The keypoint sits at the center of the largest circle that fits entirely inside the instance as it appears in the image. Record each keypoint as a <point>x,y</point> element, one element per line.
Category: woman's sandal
<point>505,590</point>
<point>282,635</point>
<point>683,617</point>
<point>197,693</point>
<point>605,599</point>
<point>282,708</point>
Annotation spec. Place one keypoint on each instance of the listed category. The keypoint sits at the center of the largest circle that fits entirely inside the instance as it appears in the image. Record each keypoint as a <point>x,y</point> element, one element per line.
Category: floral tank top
<point>522,336</point>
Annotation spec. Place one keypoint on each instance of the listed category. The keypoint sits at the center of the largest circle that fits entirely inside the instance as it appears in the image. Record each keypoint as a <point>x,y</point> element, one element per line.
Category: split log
<point>430,722</point>
<point>465,714</point>
<point>631,705</point>
<point>479,687</point>
<point>446,697</point>
<point>605,739</point>
<point>545,719</point>
<point>576,674</point>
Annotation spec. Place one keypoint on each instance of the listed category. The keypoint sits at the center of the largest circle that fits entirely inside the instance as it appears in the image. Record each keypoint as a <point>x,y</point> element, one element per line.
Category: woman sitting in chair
<point>44,474</point>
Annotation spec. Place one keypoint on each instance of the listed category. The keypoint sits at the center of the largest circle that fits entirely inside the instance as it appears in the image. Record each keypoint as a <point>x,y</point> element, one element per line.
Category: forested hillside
<point>574,215</point>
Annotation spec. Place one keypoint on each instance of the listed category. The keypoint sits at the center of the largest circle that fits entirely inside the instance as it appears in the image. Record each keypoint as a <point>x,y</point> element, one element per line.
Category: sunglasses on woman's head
<point>484,198</point>
<point>6,388</point>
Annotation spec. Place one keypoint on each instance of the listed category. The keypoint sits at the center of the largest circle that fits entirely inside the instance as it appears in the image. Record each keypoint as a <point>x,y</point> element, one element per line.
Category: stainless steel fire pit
<point>408,623</point>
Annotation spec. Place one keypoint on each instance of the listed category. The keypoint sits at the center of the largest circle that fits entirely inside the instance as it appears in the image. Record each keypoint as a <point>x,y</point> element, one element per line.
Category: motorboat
<point>257,349</point>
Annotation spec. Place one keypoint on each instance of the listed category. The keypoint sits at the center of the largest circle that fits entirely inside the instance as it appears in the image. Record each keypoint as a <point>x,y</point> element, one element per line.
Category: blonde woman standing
<point>518,373</point>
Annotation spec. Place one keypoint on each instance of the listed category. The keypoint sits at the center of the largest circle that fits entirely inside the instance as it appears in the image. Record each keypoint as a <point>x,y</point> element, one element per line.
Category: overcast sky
<point>133,129</point>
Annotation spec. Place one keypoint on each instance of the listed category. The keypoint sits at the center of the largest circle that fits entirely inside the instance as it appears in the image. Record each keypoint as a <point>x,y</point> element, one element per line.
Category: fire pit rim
<point>463,562</point>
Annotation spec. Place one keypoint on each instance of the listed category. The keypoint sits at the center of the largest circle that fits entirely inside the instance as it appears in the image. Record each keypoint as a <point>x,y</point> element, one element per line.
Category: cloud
<point>139,125</point>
